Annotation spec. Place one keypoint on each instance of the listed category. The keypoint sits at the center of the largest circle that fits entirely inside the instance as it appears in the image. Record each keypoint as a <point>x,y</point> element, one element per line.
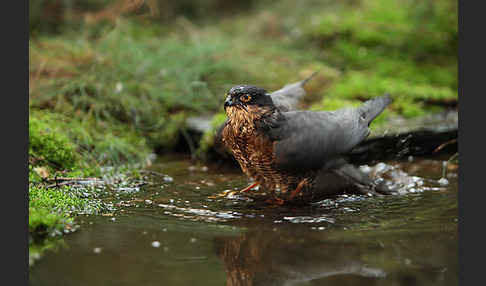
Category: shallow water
<point>170,233</point>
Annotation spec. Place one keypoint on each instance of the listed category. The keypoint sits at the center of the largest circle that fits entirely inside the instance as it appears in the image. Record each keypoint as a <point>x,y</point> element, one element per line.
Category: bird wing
<point>287,97</point>
<point>306,140</point>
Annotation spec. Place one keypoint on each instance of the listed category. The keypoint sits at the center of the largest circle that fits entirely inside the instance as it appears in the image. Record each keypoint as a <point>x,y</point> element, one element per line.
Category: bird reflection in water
<point>275,257</point>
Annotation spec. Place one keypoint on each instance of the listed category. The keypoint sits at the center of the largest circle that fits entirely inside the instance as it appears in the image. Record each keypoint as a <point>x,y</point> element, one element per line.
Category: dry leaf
<point>42,171</point>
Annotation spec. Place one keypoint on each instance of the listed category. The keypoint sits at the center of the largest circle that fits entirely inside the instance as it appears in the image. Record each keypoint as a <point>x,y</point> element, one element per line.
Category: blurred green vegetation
<point>112,81</point>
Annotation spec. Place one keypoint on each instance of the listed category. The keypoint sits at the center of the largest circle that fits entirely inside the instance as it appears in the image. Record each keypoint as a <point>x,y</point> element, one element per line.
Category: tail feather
<point>370,109</point>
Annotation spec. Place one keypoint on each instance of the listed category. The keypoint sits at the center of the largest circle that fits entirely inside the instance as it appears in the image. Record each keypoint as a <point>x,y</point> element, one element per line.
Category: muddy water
<point>171,233</point>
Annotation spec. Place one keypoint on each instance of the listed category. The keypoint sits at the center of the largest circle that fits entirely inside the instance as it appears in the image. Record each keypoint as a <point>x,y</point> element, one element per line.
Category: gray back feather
<point>311,140</point>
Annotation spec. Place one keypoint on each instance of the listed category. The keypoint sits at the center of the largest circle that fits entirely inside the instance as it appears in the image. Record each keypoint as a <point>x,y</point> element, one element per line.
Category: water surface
<point>170,233</point>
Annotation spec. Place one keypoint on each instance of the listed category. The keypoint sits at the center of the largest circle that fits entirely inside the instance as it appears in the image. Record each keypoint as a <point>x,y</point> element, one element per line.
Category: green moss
<point>405,48</point>
<point>50,146</point>
<point>361,84</point>
<point>90,143</point>
<point>49,210</point>
<point>408,97</point>
<point>415,27</point>
<point>52,211</point>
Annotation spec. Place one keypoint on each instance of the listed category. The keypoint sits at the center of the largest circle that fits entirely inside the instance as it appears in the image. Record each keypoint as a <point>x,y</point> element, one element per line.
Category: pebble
<point>443,181</point>
<point>168,179</point>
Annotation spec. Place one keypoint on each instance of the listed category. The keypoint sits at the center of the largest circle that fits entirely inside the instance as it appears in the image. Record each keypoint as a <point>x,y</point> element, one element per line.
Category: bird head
<point>245,96</point>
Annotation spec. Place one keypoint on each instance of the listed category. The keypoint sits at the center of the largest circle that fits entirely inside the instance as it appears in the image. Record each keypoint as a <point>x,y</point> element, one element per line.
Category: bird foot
<point>230,193</point>
<point>224,194</point>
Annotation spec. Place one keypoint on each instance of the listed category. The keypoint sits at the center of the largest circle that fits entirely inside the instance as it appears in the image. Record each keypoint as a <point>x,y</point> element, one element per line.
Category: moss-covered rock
<point>50,146</point>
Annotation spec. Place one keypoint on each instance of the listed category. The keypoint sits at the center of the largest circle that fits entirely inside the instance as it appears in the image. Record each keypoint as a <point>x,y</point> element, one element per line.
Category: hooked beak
<point>228,101</point>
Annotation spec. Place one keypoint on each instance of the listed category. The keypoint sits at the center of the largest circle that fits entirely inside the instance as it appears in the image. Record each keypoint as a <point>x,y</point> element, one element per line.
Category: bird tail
<point>370,109</point>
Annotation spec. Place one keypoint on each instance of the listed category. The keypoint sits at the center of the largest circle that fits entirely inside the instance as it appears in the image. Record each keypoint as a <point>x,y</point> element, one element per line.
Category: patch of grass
<point>130,76</point>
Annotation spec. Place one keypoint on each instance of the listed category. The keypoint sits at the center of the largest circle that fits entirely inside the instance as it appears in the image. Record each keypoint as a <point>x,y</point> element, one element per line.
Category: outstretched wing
<point>287,97</point>
<point>306,140</point>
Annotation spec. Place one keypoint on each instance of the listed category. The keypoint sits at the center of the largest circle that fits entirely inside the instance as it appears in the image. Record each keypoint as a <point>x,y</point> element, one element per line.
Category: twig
<point>445,144</point>
<point>58,184</point>
<point>57,179</point>
<point>153,173</point>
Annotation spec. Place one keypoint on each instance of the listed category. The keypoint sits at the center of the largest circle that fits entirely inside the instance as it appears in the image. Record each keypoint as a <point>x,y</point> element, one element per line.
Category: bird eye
<point>245,98</point>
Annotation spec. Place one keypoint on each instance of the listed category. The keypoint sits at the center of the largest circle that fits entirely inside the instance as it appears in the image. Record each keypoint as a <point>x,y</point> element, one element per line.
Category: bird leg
<point>298,189</point>
<point>250,187</point>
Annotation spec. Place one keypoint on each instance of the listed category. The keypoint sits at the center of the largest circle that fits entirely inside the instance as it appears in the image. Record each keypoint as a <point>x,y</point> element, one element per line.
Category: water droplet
<point>155,244</point>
